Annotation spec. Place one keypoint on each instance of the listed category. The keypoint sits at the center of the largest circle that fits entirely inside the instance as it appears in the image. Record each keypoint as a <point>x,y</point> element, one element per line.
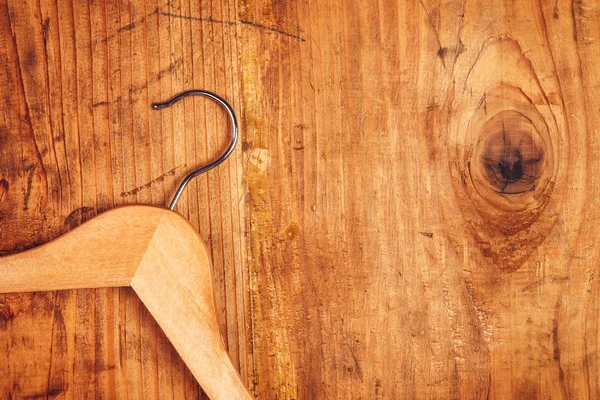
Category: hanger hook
<point>234,139</point>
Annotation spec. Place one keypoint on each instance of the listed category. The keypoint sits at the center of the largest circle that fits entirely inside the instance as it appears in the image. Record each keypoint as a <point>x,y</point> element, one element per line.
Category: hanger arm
<point>175,282</point>
<point>159,254</point>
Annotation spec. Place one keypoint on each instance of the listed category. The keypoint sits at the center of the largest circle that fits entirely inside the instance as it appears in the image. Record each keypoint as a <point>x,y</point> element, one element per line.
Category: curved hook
<point>234,139</point>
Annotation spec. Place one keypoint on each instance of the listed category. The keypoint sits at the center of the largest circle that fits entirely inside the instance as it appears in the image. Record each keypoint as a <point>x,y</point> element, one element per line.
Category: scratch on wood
<point>232,23</point>
<point>139,88</point>
<point>100,103</point>
<point>175,64</point>
<point>441,50</point>
<point>356,364</point>
<point>561,373</point>
<point>29,169</point>
<point>149,184</point>
<point>130,26</point>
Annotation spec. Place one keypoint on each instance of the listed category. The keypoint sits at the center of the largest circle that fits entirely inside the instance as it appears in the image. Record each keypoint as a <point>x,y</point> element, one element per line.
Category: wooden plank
<point>374,238</point>
<point>382,266</point>
<point>78,137</point>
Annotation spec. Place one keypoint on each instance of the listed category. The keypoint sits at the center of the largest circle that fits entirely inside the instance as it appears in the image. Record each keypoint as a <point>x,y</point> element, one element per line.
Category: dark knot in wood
<point>505,161</point>
<point>511,165</point>
<point>512,153</point>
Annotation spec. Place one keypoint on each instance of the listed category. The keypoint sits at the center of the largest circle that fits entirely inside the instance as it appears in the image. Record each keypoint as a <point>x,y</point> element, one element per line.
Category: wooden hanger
<point>160,255</point>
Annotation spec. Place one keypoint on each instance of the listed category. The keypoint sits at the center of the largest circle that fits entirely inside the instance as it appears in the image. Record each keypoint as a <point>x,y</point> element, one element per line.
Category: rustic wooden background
<point>354,257</point>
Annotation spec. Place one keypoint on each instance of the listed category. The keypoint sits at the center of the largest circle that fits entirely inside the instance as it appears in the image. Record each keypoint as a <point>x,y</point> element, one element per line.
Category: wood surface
<point>160,255</point>
<point>412,213</point>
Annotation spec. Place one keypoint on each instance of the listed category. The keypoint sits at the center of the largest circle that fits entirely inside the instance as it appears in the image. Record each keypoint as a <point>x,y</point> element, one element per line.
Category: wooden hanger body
<point>160,255</point>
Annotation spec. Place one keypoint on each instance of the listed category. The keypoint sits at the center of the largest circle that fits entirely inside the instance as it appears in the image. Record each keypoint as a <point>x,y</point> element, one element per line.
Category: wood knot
<point>511,154</point>
<point>509,169</point>
<point>503,163</point>
<point>509,174</point>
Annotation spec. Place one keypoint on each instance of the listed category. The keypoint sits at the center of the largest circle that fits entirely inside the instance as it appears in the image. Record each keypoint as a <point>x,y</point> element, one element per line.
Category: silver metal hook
<point>234,139</point>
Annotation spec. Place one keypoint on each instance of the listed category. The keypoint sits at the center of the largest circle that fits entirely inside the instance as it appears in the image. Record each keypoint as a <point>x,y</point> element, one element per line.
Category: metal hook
<point>193,174</point>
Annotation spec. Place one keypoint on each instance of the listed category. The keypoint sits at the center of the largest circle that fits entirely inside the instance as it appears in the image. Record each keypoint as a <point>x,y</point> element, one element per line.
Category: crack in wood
<point>233,23</point>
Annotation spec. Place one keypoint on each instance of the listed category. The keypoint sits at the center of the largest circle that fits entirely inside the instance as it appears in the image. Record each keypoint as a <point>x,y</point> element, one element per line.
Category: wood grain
<point>361,248</point>
<point>378,271</point>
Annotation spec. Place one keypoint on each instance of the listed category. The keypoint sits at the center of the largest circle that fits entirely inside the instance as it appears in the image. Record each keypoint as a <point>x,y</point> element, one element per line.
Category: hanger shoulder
<point>103,252</point>
<point>174,281</point>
